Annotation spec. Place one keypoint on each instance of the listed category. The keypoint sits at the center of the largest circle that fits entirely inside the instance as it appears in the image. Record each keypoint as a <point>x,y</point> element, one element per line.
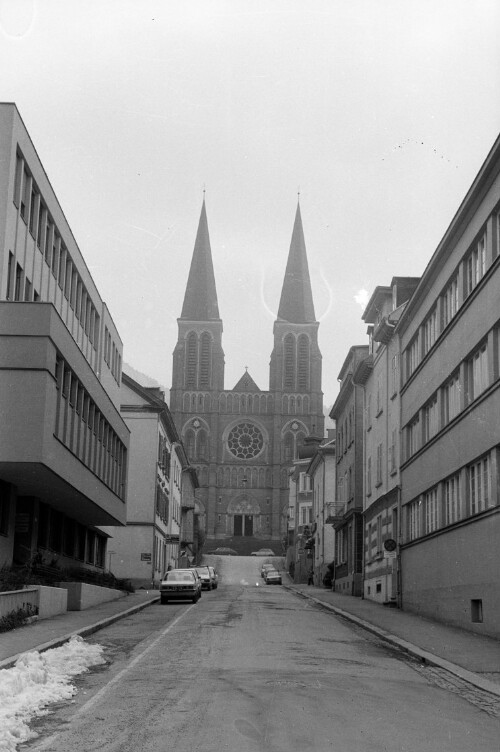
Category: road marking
<point>96,698</point>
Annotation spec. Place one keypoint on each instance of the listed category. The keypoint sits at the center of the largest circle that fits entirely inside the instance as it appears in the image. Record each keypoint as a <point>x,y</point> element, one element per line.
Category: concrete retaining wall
<point>45,601</point>
<point>82,596</point>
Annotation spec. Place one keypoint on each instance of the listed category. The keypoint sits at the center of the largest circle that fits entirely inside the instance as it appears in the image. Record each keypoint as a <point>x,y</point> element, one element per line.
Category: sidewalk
<point>50,633</point>
<point>471,657</point>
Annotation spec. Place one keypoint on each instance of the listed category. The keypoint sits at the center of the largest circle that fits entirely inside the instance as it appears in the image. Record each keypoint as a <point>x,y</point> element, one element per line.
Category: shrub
<point>17,618</point>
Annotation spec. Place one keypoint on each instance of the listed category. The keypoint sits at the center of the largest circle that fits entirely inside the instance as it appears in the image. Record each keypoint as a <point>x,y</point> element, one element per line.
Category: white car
<point>180,585</point>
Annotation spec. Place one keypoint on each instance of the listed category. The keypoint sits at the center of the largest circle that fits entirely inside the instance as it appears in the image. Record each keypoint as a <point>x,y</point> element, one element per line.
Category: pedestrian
<point>310,579</point>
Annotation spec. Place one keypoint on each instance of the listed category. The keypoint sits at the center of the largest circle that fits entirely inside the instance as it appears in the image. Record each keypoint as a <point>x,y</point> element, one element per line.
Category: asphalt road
<point>254,668</point>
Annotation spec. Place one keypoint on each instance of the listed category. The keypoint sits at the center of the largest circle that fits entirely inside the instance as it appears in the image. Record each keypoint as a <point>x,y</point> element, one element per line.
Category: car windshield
<point>178,576</point>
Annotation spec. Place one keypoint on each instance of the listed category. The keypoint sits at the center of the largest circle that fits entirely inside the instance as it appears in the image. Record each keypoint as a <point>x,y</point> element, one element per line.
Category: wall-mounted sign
<point>145,557</point>
<point>390,544</point>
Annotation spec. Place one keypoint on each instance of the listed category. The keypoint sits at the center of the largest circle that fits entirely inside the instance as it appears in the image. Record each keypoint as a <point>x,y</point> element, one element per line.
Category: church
<point>242,441</point>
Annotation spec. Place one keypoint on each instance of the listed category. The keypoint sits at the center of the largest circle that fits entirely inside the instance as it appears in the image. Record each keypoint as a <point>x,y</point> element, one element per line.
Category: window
<point>480,485</point>
<point>33,211</point>
<point>27,290</point>
<point>452,398</point>
<point>394,374</point>
<point>475,265</point>
<point>431,419</point>
<point>18,283</point>
<point>379,534</point>
<point>379,465</point>
<point>368,476</point>
<point>431,510</point>
<point>191,360</point>
<point>414,520</point>
<point>304,483</point>
<point>412,356</point>
<point>452,499</point>
<point>379,396</point>
<point>24,195</point>
<point>369,412</point>
<point>477,373</point>
<point>413,433</point>
<point>303,363</point>
<point>289,362</point>
<point>430,331</point>
<point>392,452</point>
<point>450,301</point>
<point>9,275</point>
<point>205,351</point>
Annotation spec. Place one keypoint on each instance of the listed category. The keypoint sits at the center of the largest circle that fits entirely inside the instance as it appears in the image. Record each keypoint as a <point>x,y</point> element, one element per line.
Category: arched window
<point>269,404</point>
<point>285,405</point>
<point>299,440</point>
<point>236,403</point>
<point>256,403</point>
<point>208,403</point>
<point>306,405</point>
<point>255,478</point>
<point>202,453</point>
<point>243,403</point>
<point>292,405</point>
<point>263,404</point>
<point>186,401</point>
<point>303,363</point>
<point>189,442</point>
<point>284,479</point>
<point>193,402</point>
<point>222,403</point>
<point>191,360</point>
<point>299,404</point>
<point>234,478</point>
<point>289,362</point>
<point>230,403</point>
<point>220,477</point>
<point>262,477</point>
<point>288,447</point>
<point>205,352</point>
<point>227,477</point>
<point>269,478</point>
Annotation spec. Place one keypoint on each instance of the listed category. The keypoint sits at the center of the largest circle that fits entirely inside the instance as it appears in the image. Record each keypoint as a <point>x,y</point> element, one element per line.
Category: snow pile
<point>37,680</point>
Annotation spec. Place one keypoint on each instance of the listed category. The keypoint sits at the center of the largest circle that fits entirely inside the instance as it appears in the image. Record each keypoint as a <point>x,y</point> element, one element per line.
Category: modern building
<point>159,477</point>
<point>450,408</point>
<point>243,440</point>
<point>347,510</point>
<point>63,443</point>
<point>379,375</point>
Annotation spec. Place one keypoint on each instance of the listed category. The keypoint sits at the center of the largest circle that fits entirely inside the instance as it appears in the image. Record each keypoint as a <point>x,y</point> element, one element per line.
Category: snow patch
<point>36,681</point>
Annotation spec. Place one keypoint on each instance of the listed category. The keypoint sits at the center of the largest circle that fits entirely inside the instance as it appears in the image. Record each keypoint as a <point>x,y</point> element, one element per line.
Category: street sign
<point>390,554</point>
<point>390,544</point>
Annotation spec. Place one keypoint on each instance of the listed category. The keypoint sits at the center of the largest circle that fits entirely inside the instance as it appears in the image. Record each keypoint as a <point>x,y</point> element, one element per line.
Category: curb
<point>407,647</point>
<point>83,632</point>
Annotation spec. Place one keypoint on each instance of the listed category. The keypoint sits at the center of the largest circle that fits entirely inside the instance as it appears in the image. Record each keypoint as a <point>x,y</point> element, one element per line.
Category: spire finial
<point>298,194</point>
<point>204,191</point>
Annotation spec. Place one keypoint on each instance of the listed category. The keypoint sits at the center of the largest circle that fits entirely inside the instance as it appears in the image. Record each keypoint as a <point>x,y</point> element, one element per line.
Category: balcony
<point>335,511</point>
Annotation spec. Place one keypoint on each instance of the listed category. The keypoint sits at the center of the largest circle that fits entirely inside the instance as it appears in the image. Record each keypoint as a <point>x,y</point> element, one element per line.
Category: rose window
<point>245,441</point>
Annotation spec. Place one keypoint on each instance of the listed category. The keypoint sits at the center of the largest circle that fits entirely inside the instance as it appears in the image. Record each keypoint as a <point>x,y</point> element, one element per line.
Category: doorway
<point>243,525</point>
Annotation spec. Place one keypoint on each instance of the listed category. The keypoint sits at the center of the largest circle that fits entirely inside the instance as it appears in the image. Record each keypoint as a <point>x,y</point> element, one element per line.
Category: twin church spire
<point>200,299</point>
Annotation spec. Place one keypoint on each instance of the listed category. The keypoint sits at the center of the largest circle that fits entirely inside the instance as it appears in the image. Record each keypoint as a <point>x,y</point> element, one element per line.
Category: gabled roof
<point>296,302</point>
<point>246,384</point>
<point>200,299</point>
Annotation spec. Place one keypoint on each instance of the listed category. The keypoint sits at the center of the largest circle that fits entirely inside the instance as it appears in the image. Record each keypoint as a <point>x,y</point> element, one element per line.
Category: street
<point>254,668</point>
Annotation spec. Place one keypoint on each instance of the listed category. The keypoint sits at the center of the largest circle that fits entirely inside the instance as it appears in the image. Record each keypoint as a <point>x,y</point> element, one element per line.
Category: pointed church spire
<point>200,299</point>
<point>296,303</point>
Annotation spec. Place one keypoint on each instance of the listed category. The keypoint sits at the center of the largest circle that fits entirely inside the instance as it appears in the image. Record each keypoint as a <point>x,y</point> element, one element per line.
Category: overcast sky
<point>380,112</point>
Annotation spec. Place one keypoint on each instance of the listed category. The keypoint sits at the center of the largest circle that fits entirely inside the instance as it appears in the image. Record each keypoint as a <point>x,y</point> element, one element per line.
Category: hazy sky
<point>380,112</point>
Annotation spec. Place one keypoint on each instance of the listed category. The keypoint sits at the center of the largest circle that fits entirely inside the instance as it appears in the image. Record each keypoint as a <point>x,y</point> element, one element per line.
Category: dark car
<point>180,585</point>
<point>272,577</point>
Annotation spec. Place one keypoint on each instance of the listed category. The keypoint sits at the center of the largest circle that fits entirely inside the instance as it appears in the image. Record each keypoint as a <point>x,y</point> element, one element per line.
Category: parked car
<point>180,584</point>
<point>272,577</point>
<point>223,551</point>
<point>214,576</point>
<point>263,552</point>
<point>205,577</point>
<point>265,568</point>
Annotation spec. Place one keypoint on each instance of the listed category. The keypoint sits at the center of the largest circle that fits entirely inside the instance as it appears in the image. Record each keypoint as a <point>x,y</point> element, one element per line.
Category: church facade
<point>243,440</point>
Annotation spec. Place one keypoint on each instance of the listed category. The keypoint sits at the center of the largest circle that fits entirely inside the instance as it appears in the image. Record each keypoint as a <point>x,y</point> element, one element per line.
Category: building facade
<point>322,474</point>
<point>243,440</point>
<point>347,513</point>
<point>450,403</point>
<point>63,446</point>
<point>379,374</point>
<point>150,541</point>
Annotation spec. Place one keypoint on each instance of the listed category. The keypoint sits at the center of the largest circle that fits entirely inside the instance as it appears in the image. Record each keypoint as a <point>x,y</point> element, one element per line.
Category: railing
<point>335,510</point>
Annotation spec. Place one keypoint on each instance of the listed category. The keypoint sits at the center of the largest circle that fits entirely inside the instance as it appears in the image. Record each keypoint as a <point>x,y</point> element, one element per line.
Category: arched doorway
<point>243,517</point>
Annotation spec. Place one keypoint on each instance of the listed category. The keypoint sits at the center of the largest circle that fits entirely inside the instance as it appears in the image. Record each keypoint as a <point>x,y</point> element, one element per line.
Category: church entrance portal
<point>243,525</point>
